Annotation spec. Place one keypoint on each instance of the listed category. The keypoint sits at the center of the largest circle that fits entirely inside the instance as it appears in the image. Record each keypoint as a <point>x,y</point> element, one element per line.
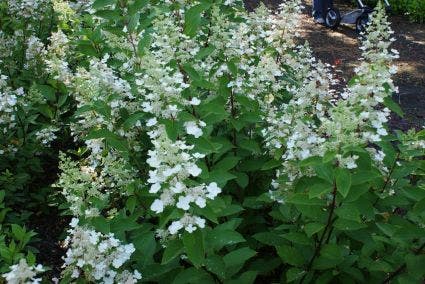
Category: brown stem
<point>322,237</point>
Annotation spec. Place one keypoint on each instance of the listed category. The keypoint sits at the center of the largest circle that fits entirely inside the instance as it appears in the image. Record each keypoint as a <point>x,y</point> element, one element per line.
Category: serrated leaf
<point>216,265</point>
<point>192,19</point>
<point>236,259</point>
<point>174,248</point>
<point>48,92</point>
<point>269,238</point>
<point>343,181</point>
<point>227,163</point>
<point>223,237</point>
<point>102,3</point>
<point>194,247</point>
<point>303,199</point>
<point>319,189</point>
<point>393,106</point>
<point>313,228</point>
<point>290,255</point>
<point>294,273</point>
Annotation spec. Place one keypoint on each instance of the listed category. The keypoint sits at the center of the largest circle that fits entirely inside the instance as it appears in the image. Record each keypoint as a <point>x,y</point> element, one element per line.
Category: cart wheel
<point>361,23</point>
<point>332,18</point>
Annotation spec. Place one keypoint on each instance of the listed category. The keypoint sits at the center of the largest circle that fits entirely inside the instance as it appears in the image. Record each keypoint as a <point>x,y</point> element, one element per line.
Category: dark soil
<point>340,49</point>
<point>50,229</point>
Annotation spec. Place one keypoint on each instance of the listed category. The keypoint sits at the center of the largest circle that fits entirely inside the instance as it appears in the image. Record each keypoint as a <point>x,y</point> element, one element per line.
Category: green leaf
<point>362,176</point>
<point>343,181</point>
<point>219,238</point>
<point>242,179</point>
<point>297,238</point>
<point>133,22</point>
<point>193,276</point>
<point>216,265</point>
<point>319,189</point>
<point>171,128</point>
<point>311,161</point>
<point>250,145</point>
<point>290,255</point>
<point>221,177</point>
<point>269,238</point>
<point>108,15</point>
<point>204,52</point>
<point>271,164</point>
<point>145,242</point>
<point>247,277</point>
<point>194,247</point>
<point>313,228</point>
<point>349,212</point>
<point>303,199</point>
<point>348,225</point>
<point>415,265</point>
<point>18,232</point>
<point>227,163</point>
<point>331,251</point>
<point>133,119</point>
<point>324,171</point>
<point>144,42</point>
<point>137,5</point>
<point>230,210</point>
<point>191,72</point>
<point>294,273</point>
<point>102,3</point>
<point>48,92</point>
<point>174,248</point>
<point>236,259</point>
<point>393,106</point>
<point>192,19</point>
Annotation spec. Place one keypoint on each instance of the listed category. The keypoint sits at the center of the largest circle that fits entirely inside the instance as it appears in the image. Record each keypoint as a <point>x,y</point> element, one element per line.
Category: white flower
<point>213,190</point>
<point>155,188</point>
<point>175,227</point>
<point>98,260</point>
<point>382,131</point>
<point>74,222</point>
<point>193,129</point>
<point>194,170</point>
<point>23,273</point>
<point>201,202</point>
<point>151,122</point>
<point>184,202</point>
<point>195,101</point>
<point>190,228</point>
<point>157,206</point>
<point>177,188</point>
<point>200,222</point>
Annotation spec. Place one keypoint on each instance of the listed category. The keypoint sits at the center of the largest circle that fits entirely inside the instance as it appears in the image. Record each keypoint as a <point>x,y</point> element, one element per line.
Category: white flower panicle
<point>316,121</point>
<point>97,256</point>
<point>173,165</point>
<point>27,8</point>
<point>47,135</point>
<point>22,273</point>
<point>102,178</point>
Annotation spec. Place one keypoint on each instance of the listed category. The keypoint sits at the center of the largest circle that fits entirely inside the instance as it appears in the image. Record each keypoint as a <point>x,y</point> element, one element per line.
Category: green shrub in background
<point>413,9</point>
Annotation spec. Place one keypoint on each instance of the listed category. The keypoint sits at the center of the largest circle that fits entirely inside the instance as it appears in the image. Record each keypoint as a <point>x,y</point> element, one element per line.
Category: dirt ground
<point>340,48</point>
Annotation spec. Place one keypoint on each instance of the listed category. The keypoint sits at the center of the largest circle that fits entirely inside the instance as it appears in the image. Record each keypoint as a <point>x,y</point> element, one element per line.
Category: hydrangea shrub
<point>209,145</point>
